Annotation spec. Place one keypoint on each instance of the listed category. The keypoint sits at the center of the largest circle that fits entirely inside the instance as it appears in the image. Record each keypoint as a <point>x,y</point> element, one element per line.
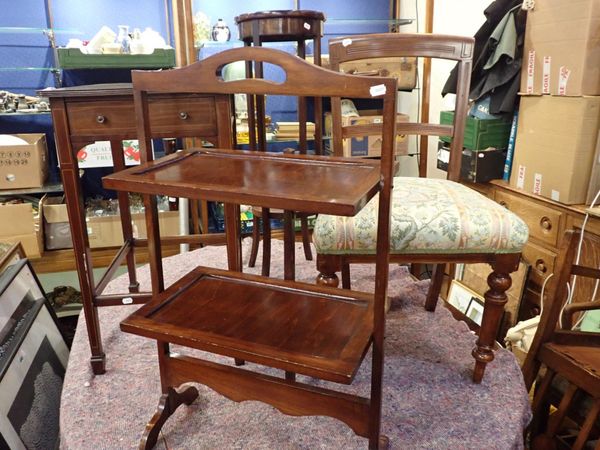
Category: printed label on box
<point>537,184</point>
<point>546,75</point>
<point>530,71</point>
<point>563,78</point>
<point>521,177</point>
<point>98,154</point>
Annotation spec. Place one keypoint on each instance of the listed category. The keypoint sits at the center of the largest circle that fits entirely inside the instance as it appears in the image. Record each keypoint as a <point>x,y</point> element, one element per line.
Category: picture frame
<point>475,310</point>
<point>14,253</point>
<point>460,296</point>
<point>33,361</point>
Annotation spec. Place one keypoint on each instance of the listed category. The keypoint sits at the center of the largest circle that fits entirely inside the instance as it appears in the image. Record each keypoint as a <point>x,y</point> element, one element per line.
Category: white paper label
<point>546,75</point>
<point>521,177</point>
<point>563,78</point>
<point>89,230</point>
<point>528,5</point>
<point>127,300</point>
<point>555,195</point>
<point>377,90</point>
<point>537,184</point>
<point>530,71</point>
<point>346,42</point>
<point>307,26</point>
<point>443,155</point>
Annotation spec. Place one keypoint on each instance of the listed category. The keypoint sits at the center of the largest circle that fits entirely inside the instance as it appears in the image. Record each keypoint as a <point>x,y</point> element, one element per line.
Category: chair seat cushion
<point>428,216</point>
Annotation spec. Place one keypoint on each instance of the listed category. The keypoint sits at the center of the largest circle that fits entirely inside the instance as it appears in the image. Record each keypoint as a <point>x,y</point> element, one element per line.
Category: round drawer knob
<point>503,203</point>
<point>541,266</point>
<point>183,115</point>
<point>546,223</point>
<point>535,311</point>
<point>100,119</point>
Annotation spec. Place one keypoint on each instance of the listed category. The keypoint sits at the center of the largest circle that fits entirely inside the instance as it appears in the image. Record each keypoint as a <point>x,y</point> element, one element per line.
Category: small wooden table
<point>85,114</point>
<point>281,26</point>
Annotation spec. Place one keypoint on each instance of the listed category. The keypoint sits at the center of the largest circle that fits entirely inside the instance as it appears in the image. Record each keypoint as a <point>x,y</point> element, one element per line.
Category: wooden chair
<point>571,354</point>
<point>433,220</point>
<point>317,331</point>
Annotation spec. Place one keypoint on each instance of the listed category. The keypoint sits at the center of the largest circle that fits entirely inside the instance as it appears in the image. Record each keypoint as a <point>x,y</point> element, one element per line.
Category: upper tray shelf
<point>72,58</point>
<point>293,182</point>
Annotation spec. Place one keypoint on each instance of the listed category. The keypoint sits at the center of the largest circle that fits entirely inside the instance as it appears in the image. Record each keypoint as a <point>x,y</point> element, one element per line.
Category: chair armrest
<point>567,314</point>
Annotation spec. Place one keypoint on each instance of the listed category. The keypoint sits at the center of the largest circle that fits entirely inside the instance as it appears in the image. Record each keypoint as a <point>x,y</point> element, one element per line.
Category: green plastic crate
<point>72,58</point>
<point>480,133</point>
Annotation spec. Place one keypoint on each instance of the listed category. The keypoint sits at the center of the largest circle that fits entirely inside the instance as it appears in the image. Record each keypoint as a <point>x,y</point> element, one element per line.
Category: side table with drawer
<point>547,220</point>
<point>84,114</point>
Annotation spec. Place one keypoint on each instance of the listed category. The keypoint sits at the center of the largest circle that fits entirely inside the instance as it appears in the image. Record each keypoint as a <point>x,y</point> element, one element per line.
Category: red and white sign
<point>530,71</point>
<point>546,74</point>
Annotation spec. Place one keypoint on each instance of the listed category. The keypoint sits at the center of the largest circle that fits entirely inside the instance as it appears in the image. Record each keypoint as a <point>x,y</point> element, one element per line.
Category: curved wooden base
<point>167,405</point>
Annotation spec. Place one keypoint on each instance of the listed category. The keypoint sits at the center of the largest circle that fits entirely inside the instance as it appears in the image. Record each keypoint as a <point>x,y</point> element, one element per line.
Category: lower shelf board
<point>297,327</point>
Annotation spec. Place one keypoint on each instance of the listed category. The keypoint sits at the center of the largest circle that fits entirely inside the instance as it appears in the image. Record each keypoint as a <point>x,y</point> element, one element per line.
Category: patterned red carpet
<point>429,400</point>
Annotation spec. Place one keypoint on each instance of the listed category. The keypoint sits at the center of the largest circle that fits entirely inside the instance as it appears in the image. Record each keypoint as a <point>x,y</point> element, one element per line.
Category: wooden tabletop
<point>303,183</point>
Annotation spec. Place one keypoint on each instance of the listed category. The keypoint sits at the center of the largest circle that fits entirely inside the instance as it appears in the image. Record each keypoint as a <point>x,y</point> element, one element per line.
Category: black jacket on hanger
<point>497,76</point>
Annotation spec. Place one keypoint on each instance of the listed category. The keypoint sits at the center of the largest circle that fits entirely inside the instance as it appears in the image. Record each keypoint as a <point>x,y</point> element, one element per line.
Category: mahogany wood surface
<point>257,319</point>
<point>295,327</point>
<point>257,178</point>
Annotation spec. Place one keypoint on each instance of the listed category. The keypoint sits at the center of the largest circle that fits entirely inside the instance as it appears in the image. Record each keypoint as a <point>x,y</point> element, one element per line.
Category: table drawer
<point>101,118</point>
<point>170,116</point>
<point>543,222</point>
<point>192,116</point>
<point>542,263</point>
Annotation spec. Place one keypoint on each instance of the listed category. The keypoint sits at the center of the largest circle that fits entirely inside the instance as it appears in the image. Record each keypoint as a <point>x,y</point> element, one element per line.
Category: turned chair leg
<point>327,266</point>
<point>255,241</point>
<point>495,299</point>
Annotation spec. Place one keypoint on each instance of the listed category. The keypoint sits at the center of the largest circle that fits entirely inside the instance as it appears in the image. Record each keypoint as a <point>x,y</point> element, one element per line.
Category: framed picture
<point>475,310</point>
<point>33,359</point>
<point>11,255</point>
<point>460,296</point>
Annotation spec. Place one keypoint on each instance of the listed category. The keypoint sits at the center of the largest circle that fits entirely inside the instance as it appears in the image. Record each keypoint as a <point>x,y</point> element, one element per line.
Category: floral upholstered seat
<point>428,215</point>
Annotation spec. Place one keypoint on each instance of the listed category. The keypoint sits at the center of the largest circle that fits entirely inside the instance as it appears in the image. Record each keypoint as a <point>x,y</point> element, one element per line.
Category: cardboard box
<point>103,231</point>
<point>24,166</point>
<point>22,227</point>
<point>369,146</point>
<point>561,54</point>
<point>555,148</point>
<point>55,220</point>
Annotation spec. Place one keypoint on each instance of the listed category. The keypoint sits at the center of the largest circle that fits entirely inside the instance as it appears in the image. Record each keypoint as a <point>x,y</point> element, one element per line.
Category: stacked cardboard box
<point>557,145</point>
<point>21,226</point>
<point>24,165</point>
<point>103,231</point>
